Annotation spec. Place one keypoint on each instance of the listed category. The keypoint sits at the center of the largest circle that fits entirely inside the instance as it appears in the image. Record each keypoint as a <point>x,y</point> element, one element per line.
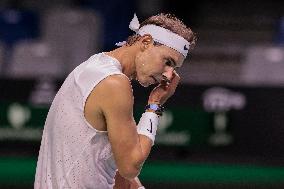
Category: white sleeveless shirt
<point>73,154</point>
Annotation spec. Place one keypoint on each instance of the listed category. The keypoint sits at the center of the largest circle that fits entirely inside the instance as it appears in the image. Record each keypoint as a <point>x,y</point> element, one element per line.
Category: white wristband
<point>148,125</point>
<point>141,187</point>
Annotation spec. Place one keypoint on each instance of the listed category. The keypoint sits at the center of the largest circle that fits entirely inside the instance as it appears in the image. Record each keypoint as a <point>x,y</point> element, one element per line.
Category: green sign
<point>182,126</point>
<point>178,125</point>
<point>20,121</point>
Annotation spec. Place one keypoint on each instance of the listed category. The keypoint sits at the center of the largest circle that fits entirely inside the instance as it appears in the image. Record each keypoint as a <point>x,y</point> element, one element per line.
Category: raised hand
<point>164,90</point>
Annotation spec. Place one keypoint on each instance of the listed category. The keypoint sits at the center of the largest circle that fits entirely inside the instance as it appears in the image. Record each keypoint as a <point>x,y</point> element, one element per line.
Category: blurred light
<point>18,115</point>
<point>274,55</point>
<point>41,50</point>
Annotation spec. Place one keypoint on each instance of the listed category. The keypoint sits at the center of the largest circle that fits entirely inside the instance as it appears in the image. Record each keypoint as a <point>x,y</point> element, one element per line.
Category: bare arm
<point>115,98</point>
<point>123,183</point>
<point>116,102</point>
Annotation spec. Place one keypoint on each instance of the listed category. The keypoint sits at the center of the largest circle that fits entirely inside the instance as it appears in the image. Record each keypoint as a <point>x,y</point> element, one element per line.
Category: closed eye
<point>170,62</point>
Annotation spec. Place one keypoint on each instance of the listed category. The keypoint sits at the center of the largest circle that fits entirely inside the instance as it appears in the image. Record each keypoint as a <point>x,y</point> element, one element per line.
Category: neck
<point>126,56</point>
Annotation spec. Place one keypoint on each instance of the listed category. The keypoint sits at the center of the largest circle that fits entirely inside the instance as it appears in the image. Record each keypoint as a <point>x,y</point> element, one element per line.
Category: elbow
<point>130,166</point>
<point>129,172</point>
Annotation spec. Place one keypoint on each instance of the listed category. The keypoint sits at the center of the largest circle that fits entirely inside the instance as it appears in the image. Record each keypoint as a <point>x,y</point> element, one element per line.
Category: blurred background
<point>223,128</point>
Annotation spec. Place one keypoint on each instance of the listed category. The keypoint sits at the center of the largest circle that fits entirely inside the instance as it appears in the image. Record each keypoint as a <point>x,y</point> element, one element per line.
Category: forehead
<point>173,54</point>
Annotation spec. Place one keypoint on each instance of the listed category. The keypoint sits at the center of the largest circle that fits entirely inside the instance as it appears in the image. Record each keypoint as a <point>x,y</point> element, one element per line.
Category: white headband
<point>160,35</point>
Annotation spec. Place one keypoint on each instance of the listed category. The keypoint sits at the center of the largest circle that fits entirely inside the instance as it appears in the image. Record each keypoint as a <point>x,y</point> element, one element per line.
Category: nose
<point>168,73</point>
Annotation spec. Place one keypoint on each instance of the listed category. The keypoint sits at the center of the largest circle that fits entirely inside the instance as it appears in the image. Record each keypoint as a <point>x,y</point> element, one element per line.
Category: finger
<point>176,76</point>
<point>175,79</point>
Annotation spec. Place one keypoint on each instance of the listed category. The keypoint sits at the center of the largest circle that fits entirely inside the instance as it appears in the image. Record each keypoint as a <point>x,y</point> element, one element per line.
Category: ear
<point>146,41</point>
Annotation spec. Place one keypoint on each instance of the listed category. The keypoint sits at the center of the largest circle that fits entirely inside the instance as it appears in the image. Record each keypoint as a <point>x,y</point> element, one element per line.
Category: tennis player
<point>90,138</point>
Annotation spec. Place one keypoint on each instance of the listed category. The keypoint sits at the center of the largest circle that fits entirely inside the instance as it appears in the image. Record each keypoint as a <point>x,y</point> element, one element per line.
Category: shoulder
<point>116,82</point>
<point>114,86</point>
<point>115,95</point>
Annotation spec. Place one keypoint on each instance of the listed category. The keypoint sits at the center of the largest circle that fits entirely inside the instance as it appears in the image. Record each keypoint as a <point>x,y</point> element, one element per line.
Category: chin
<point>144,84</point>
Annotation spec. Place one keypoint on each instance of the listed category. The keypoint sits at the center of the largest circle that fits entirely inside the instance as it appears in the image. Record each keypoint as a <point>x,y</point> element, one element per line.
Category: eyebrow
<point>173,61</point>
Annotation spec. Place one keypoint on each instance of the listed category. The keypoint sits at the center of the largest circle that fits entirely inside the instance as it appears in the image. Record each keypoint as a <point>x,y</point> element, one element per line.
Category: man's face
<point>157,63</point>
